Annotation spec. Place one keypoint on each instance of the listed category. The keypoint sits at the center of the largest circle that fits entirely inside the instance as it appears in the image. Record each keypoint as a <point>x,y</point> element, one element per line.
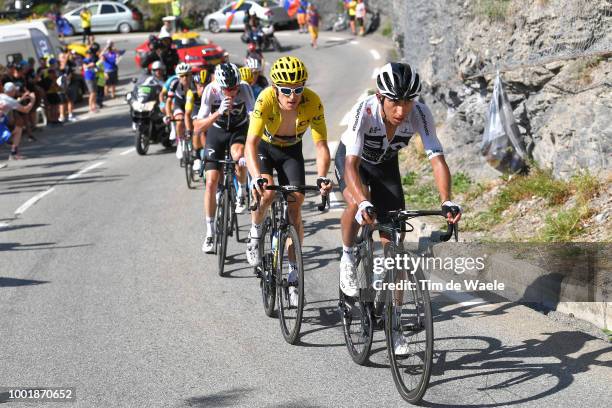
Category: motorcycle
<point>263,38</point>
<point>148,117</point>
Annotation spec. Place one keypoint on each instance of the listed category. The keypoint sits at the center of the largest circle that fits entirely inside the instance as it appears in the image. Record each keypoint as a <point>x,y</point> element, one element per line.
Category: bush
<point>153,21</point>
<point>494,10</point>
<point>42,8</point>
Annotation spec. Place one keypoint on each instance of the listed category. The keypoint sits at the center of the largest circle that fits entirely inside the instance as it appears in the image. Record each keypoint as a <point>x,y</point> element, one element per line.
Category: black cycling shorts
<point>287,161</point>
<point>386,193</point>
<point>219,140</point>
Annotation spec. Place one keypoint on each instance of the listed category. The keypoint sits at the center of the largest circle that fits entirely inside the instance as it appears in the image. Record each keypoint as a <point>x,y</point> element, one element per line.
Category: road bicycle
<point>406,312</point>
<point>188,159</point>
<point>226,220</point>
<point>280,246</point>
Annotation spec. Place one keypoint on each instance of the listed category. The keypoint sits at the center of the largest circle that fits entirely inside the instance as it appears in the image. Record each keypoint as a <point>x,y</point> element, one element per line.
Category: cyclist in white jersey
<point>367,156</point>
<point>224,116</point>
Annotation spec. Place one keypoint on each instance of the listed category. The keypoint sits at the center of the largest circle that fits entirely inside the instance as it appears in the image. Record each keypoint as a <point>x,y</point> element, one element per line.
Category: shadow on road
<point>227,398</point>
<point>512,368</point>
<point>16,246</point>
<point>14,282</point>
<point>23,226</point>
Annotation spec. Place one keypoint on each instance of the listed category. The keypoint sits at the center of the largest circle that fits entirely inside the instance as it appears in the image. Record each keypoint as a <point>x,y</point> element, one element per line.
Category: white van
<point>32,39</point>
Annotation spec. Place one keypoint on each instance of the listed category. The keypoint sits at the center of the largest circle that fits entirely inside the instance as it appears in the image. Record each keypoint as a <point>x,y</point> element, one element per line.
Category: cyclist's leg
<point>237,152</point>
<point>215,149</point>
<point>290,169</point>
<point>179,116</point>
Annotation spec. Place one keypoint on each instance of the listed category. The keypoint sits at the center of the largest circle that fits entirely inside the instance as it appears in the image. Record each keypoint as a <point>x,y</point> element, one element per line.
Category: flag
<point>292,7</point>
<point>235,8</point>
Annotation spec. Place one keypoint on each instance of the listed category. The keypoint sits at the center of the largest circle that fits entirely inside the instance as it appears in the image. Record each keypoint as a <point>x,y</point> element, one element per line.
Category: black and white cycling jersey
<point>366,135</point>
<point>242,105</point>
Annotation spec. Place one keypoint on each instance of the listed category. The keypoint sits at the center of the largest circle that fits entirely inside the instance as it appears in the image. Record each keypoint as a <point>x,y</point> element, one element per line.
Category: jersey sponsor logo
<point>318,118</point>
<point>375,129</point>
<point>369,111</point>
<point>210,152</point>
<point>424,119</point>
<point>257,114</point>
<point>357,115</point>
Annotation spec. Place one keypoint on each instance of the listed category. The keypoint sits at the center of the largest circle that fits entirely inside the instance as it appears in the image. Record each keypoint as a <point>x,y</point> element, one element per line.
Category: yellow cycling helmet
<point>246,74</point>
<point>288,70</point>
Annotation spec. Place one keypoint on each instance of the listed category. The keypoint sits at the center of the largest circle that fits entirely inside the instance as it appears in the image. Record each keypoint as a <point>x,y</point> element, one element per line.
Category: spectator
<point>351,7</point>
<point>53,91</point>
<point>68,92</point>
<point>100,83</point>
<point>110,57</point>
<point>23,105</point>
<point>313,24</point>
<point>17,76</point>
<point>301,17</point>
<point>167,29</point>
<point>85,15</point>
<point>89,75</point>
<point>360,15</point>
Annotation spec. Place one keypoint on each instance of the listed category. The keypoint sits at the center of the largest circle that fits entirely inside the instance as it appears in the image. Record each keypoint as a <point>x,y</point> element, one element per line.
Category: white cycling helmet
<point>182,69</point>
<point>227,75</point>
<point>254,64</point>
<point>157,65</point>
<point>397,80</point>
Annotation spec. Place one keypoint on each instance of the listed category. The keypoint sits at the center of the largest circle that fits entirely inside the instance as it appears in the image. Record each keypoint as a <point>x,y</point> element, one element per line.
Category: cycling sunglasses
<point>288,91</point>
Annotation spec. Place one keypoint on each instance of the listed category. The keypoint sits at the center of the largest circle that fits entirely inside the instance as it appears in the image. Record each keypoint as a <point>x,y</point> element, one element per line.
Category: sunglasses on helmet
<point>288,91</point>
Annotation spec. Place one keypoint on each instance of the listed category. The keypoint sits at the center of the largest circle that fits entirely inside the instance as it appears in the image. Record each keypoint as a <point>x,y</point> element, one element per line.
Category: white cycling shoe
<point>197,165</point>
<point>241,205</point>
<point>348,279</point>
<point>252,251</point>
<point>400,345</point>
<point>293,290</point>
<point>209,245</point>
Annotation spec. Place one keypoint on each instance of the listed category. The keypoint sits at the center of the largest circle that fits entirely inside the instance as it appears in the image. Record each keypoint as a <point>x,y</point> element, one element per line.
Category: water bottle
<point>274,241</point>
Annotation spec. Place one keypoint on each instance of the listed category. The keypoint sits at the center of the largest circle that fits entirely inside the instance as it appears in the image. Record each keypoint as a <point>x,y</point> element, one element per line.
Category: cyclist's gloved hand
<point>226,104</point>
<point>362,217</point>
<point>188,133</point>
<point>242,162</point>
<point>452,211</point>
<point>258,184</point>
<point>167,120</point>
<point>325,185</point>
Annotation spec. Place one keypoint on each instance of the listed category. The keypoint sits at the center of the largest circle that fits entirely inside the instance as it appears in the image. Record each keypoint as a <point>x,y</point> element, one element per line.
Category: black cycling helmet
<point>397,80</point>
<point>227,75</point>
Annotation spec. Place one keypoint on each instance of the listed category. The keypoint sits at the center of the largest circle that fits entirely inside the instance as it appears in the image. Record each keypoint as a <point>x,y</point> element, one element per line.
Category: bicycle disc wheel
<point>267,280</point>
<point>290,307</point>
<point>408,317</point>
<point>223,234</point>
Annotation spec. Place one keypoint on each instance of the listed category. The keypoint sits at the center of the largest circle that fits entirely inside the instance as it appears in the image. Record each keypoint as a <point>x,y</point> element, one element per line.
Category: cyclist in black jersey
<point>177,98</point>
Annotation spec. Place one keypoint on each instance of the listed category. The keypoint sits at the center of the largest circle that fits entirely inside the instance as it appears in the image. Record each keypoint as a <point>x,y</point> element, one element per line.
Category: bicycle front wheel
<point>266,269</point>
<point>188,164</point>
<point>224,222</point>
<point>290,284</point>
<point>409,333</point>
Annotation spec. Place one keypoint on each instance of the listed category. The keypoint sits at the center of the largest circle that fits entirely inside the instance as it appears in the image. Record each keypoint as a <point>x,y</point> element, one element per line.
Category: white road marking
<point>4,224</point>
<point>336,38</point>
<point>24,207</point>
<point>83,171</point>
<point>375,54</point>
<point>128,151</point>
<point>355,42</point>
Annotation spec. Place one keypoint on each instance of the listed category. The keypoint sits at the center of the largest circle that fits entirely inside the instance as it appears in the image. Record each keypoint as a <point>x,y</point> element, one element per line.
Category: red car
<point>191,49</point>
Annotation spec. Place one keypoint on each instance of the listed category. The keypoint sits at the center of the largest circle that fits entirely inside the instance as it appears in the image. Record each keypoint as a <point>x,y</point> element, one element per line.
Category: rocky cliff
<point>554,58</point>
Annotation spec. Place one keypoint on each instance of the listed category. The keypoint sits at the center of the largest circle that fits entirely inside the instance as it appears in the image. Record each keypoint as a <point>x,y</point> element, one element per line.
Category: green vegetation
<point>581,69</point>
<point>387,29</point>
<point>494,10</point>
<point>153,21</point>
<point>562,225</point>
<point>425,195</point>
<point>42,8</point>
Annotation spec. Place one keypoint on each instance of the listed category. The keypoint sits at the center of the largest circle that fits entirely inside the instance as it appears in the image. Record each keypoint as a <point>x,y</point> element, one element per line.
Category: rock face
<point>554,58</point>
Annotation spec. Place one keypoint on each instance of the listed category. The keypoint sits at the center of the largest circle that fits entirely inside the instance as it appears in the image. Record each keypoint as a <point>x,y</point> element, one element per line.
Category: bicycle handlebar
<point>288,189</point>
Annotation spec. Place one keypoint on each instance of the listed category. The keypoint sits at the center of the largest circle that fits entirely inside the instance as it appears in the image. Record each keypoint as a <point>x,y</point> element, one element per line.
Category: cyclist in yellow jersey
<point>282,114</point>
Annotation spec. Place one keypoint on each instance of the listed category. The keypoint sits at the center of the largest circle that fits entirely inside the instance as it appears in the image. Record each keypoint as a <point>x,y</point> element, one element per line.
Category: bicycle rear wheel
<point>224,223</point>
<point>290,307</point>
<point>408,316</point>
<point>267,276</point>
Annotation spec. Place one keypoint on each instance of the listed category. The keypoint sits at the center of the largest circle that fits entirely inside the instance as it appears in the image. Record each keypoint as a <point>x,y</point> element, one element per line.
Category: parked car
<point>197,52</point>
<point>107,16</point>
<point>274,13</point>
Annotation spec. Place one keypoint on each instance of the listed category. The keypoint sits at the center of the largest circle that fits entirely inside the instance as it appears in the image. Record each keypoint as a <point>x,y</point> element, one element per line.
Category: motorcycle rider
<point>161,50</point>
<point>158,70</point>
<point>252,28</point>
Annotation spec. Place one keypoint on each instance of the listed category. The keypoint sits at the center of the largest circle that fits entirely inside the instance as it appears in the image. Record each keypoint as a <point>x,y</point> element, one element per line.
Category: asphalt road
<point>103,286</point>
